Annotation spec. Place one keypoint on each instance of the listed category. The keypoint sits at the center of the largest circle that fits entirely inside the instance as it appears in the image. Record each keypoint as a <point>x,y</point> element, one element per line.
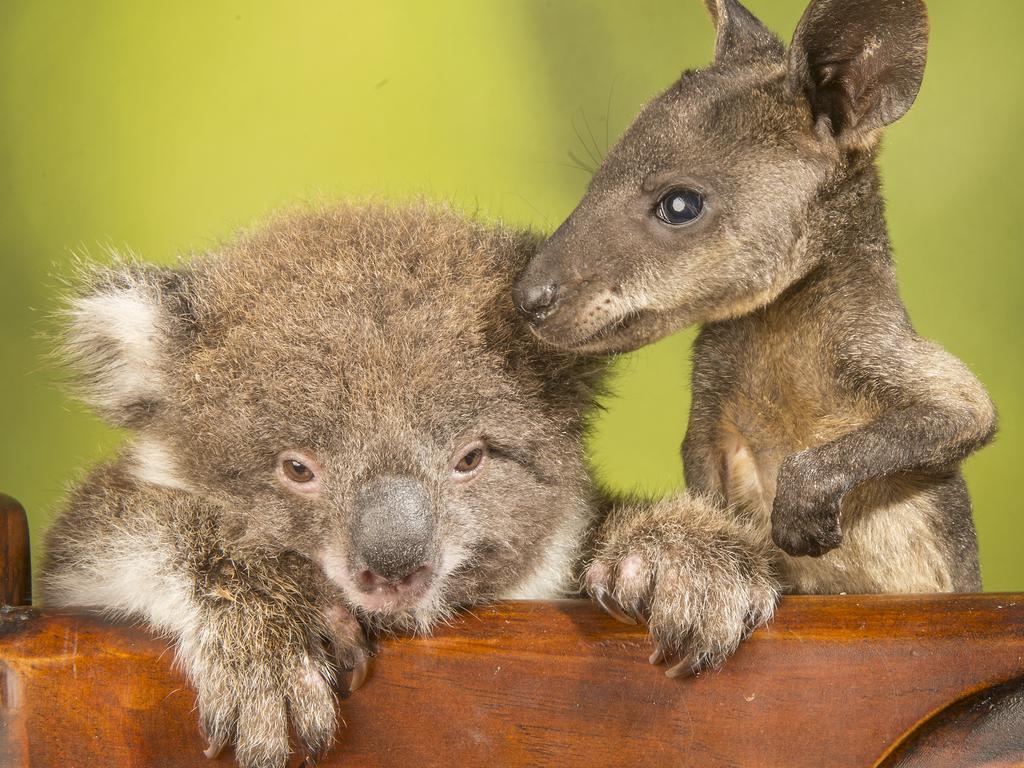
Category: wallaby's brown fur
<point>340,424</point>
<point>745,198</point>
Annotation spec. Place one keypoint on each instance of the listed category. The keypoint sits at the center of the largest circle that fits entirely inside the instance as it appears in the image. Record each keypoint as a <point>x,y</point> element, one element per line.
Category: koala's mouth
<point>392,597</point>
<point>413,601</point>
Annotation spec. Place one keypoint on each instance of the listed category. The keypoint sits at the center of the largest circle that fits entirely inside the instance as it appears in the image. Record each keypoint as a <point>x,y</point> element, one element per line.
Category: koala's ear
<point>121,331</point>
<point>741,38</point>
<point>859,64</point>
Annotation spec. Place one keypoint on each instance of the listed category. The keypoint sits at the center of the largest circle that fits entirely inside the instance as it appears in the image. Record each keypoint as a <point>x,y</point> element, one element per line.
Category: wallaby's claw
<point>612,607</point>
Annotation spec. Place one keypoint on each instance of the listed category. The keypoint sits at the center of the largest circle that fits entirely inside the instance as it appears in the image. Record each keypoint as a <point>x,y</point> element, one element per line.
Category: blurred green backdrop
<point>164,126</point>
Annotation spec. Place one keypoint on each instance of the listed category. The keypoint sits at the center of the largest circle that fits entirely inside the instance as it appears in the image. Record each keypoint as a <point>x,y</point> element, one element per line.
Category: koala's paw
<point>263,664</point>
<point>805,514</point>
<point>247,702</point>
<point>700,582</point>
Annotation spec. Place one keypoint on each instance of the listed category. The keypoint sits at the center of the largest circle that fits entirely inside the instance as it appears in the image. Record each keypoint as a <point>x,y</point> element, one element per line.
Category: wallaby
<point>340,425</point>
<point>745,198</point>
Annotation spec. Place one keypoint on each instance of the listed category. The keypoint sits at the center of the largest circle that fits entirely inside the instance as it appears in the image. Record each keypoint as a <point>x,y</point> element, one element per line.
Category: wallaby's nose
<point>536,302</point>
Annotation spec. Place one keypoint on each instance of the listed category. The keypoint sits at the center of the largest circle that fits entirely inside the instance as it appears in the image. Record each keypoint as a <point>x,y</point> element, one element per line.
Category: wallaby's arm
<point>700,465</point>
<point>934,413</point>
<point>247,628</point>
<point>939,414</point>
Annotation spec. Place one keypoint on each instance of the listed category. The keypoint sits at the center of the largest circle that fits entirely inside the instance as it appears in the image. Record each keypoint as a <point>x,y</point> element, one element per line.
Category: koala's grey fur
<point>379,341</point>
<point>818,414</point>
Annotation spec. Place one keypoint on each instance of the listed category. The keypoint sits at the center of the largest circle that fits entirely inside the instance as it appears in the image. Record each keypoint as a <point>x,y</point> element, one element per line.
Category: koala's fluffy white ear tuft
<point>119,332</point>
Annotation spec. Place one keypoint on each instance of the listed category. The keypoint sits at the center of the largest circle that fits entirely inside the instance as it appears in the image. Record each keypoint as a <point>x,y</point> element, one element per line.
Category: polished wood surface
<point>984,729</point>
<point>926,681</point>
<point>834,681</point>
<point>15,559</point>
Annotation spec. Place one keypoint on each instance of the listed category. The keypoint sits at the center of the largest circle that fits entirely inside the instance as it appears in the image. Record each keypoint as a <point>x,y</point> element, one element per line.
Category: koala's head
<point>353,384</point>
<point>697,214</point>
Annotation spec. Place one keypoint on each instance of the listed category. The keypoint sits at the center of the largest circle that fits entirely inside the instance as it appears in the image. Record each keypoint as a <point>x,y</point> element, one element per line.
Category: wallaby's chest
<point>765,389</point>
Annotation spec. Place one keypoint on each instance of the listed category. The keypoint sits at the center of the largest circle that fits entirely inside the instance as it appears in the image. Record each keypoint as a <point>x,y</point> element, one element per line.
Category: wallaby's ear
<point>741,38</point>
<point>121,331</point>
<point>859,63</point>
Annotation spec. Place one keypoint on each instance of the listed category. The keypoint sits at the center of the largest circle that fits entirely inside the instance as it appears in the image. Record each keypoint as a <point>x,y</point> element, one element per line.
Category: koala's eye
<point>680,206</point>
<point>298,472</point>
<point>469,461</point>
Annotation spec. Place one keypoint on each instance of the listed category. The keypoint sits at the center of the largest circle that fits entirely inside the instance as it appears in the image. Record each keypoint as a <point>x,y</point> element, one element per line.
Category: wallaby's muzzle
<point>542,287</point>
<point>535,301</point>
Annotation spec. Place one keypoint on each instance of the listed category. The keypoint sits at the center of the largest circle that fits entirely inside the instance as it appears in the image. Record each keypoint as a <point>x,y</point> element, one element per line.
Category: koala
<point>339,427</point>
<point>746,199</point>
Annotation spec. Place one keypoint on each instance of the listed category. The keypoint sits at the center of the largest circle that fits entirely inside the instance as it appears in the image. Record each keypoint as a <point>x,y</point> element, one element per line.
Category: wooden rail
<point>834,681</point>
<point>15,555</point>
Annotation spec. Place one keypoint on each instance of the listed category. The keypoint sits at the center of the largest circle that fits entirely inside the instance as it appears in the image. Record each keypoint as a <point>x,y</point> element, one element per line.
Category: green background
<point>162,127</point>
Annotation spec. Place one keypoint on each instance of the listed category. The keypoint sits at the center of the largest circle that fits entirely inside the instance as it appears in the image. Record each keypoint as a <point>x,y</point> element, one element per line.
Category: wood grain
<point>834,681</point>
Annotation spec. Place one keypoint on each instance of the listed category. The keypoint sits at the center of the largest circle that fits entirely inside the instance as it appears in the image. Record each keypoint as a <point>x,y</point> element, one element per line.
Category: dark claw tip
<point>613,609</point>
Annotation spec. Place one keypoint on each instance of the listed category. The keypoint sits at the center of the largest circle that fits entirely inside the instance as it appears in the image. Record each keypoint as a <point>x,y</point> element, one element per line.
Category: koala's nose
<point>535,302</point>
<point>414,581</point>
<point>392,526</point>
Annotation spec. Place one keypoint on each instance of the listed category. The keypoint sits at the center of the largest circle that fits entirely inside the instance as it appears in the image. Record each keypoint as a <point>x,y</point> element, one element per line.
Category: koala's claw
<point>214,749</point>
<point>683,668</point>
<point>360,670</point>
<point>611,607</point>
<point>349,644</point>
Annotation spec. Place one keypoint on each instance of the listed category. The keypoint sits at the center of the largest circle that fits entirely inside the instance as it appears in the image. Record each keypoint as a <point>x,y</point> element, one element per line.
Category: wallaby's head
<point>353,384</point>
<point>697,213</point>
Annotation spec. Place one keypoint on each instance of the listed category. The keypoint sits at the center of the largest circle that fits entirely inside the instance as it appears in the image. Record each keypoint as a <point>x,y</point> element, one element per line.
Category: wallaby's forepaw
<point>805,515</point>
<point>264,661</point>
<point>701,582</point>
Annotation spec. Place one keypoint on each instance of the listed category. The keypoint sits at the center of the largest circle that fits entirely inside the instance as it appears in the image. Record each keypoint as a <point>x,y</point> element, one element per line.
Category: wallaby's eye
<point>298,472</point>
<point>469,461</point>
<point>680,206</point>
